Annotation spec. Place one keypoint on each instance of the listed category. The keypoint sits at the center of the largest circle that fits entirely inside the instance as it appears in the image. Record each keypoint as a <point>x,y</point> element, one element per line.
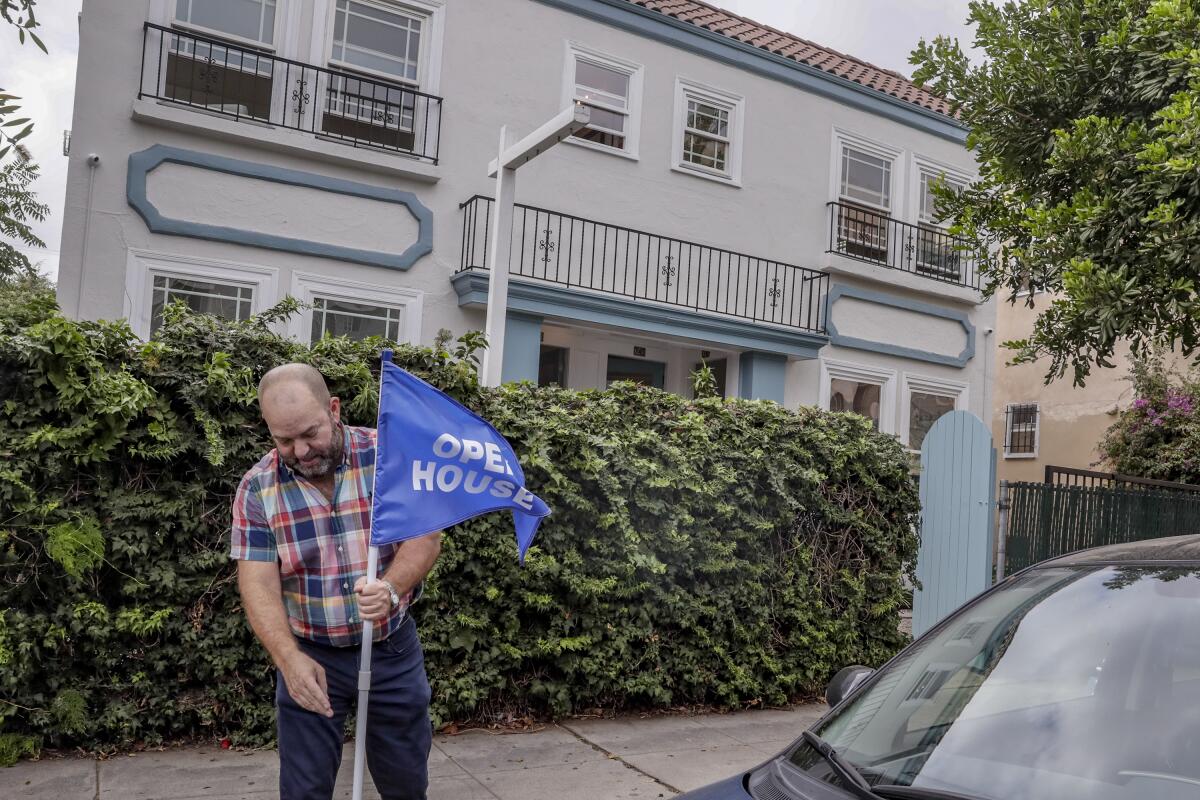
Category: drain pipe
<point>93,161</point>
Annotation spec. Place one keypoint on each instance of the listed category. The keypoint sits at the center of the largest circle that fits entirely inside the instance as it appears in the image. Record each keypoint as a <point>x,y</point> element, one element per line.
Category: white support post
<point>499,251</point>
<point>509,158</point>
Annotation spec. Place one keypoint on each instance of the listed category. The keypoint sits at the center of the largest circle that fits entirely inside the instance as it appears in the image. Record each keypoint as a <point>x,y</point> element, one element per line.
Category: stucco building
<point>742,196</point>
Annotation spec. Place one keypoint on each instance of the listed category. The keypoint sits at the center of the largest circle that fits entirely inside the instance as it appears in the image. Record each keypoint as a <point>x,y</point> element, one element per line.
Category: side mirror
<point>845,682</point>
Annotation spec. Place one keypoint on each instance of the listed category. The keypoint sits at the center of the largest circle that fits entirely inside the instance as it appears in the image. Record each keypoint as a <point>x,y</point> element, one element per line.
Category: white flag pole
<point>368,632</point>
<point>364,685</point>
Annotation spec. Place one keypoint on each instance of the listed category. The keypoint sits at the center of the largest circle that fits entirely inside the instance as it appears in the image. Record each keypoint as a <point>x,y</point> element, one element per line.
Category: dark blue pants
<point>399,733</point>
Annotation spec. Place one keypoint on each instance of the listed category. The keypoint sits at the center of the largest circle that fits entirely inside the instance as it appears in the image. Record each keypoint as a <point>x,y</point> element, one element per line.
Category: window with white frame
<point>708,131</point>
<point>154,280</point>
<point>232,301</point>
<point>861,389</point>
<point>611,88</point>
<point>865,201</point>
<point>225,78</point>
<point>384,39</point>
<point>927,400</point>
<point>356,310</point>
<point>936,251</point>
<point>251,20</point>
<point>1021,430</point>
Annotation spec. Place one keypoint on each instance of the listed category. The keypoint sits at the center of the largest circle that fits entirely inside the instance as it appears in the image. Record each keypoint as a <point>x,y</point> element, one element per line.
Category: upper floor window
<point>927,213</point>
<point>609,87</point>
<point>382,38</point>
<point>251,20</point>
<point>708,131</point>
<point>866,178</point>
<point>937,253</point>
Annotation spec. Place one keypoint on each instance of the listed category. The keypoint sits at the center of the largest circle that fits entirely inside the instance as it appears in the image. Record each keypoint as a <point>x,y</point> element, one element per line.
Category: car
<point>1077,678</point>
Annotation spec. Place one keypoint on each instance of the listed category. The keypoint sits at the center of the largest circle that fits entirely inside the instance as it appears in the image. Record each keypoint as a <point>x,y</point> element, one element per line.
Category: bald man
<point>301,522</point>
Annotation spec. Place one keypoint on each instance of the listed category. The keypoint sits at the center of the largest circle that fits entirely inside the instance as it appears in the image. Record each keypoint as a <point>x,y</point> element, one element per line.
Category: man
<point>301,522</point>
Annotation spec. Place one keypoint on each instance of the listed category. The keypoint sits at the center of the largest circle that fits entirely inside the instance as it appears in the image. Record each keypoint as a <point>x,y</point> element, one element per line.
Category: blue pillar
<point>762,376</point>
<point>522,347</point>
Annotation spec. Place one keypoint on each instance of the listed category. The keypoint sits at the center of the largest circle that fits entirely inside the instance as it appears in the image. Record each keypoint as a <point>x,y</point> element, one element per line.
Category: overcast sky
<point>882,32</point>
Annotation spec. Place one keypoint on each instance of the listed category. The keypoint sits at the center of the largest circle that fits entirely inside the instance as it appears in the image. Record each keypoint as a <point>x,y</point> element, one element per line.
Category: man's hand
<point>374,599</point>
<point>305,681</point>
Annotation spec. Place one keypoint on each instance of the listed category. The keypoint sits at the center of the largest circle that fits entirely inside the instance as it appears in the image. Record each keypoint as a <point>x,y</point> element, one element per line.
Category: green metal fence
<point>1047,521</point>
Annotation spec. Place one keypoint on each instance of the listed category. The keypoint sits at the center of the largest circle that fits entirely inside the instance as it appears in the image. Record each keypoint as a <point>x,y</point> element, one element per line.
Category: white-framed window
<point>249,21</point>
<point>380,38</point>
<point>862,389</point>
<point>354,309</point>
<point>612,88</point>
<point>864,175</point>
<point>1021,430</point>
<point>228,290</point>
<point>935,251</point>
<point>926,400</point>
<point>708,132</point>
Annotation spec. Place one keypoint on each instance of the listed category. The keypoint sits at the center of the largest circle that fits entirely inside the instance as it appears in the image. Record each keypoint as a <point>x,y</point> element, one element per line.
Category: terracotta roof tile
<point>801,50</point>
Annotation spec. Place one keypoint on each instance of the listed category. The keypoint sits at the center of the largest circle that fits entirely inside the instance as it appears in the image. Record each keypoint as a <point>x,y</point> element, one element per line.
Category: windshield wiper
<point>899,792</point>
<point>855,782</point>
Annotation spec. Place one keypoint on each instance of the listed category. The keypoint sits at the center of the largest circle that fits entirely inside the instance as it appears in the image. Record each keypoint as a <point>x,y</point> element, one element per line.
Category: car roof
<point>1168,549</point>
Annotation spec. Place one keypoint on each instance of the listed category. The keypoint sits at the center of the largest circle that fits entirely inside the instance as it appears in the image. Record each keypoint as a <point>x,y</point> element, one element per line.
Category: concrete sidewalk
<point>629,757</point>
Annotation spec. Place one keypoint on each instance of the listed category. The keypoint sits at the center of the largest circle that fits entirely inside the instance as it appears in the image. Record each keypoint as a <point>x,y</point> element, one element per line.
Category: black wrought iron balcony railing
<point>571,251</point>
<point>874,237</point>
<point>255,85</point>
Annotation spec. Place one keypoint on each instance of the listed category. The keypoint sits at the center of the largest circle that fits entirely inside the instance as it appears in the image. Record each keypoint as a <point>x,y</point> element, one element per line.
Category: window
<point>231,291</point>
<point>927,401</point>
<point>552,366</point>
<point>708,132</point>
<point>250,20</point>
<point>936,253</point>
<point>334,317</point>
<point>865,191</point>
<point>858,396</point>
<point>611,88</point>
<point>381,39</point>
<point>1021,430</point>
<point>638,370</point>
<point>228,79</point>
<point>228,301</point>
<point>356,310</point>
<point>384,39</point>
<point>861,389</point>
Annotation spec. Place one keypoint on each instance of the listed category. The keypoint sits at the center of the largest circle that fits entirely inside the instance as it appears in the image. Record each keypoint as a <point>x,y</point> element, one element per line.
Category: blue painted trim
<point>762,376</point>
<point>555,301</point>
<point>928,309</point>
<point>661,27</point>
<point>142,163</point>
<point>522,348</point>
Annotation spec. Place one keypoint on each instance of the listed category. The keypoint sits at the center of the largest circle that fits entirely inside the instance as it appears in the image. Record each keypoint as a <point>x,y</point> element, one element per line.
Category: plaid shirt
<point>321,547</point>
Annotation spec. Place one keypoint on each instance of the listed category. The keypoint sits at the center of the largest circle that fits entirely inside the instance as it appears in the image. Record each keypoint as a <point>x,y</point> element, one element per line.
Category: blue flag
<point>438,463</point>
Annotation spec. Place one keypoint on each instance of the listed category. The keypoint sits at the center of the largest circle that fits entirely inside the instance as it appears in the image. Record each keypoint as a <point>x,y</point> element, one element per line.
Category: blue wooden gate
<point>958,479</point>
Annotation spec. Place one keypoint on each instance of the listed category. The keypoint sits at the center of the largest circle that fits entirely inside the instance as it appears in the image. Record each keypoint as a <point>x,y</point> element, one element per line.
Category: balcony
<point>246,84</point>
<point>875,238</point>
<point>555,249</point>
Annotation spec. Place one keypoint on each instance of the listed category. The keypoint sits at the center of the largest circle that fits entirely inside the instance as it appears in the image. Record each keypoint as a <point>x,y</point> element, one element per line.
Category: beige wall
<point>1072,420</point>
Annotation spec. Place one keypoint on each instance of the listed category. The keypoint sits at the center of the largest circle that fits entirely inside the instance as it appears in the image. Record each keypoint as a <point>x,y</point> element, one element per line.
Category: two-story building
<point>741,197</point>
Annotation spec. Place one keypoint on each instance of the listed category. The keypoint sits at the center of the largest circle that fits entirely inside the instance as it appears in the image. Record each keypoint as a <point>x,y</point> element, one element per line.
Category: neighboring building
<point>1036,425</point>
<point>742,196</point>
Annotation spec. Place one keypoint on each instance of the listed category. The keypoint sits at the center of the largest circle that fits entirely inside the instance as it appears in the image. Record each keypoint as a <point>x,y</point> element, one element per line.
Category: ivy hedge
<point>728,553</point>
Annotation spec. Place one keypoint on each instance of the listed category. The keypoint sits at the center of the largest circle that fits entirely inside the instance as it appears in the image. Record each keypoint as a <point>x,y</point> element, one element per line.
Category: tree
<point>19,14</point>
<point>18,207</point>
<point>1085,119</point>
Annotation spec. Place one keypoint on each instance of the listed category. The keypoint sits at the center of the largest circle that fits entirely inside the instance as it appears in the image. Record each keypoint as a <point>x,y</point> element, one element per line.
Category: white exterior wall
<point>500,62</point>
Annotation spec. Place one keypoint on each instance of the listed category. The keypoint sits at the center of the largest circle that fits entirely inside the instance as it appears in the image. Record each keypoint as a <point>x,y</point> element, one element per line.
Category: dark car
<point>1076,679</point>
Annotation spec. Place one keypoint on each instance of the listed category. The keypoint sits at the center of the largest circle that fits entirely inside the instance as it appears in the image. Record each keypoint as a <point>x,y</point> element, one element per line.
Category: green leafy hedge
<point>700,552</point>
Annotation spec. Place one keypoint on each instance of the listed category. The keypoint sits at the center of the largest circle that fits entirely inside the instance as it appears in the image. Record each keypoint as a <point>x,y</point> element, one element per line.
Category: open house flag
<point>438,463</point>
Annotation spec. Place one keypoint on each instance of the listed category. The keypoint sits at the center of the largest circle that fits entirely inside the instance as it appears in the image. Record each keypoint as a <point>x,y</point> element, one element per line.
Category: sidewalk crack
<point>616,757</point>
<point>97,795</point>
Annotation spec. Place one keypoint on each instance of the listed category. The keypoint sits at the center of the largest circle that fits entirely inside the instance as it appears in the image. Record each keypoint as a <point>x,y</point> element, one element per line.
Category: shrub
<point>1158,436</point>
<point>700,552</point>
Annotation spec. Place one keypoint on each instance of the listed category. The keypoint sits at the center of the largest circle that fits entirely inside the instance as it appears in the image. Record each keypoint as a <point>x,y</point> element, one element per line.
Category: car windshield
<point>1067,683</point>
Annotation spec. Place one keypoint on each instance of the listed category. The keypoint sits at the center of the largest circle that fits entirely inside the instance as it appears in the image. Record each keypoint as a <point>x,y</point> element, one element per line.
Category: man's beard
<point>327,462</point>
